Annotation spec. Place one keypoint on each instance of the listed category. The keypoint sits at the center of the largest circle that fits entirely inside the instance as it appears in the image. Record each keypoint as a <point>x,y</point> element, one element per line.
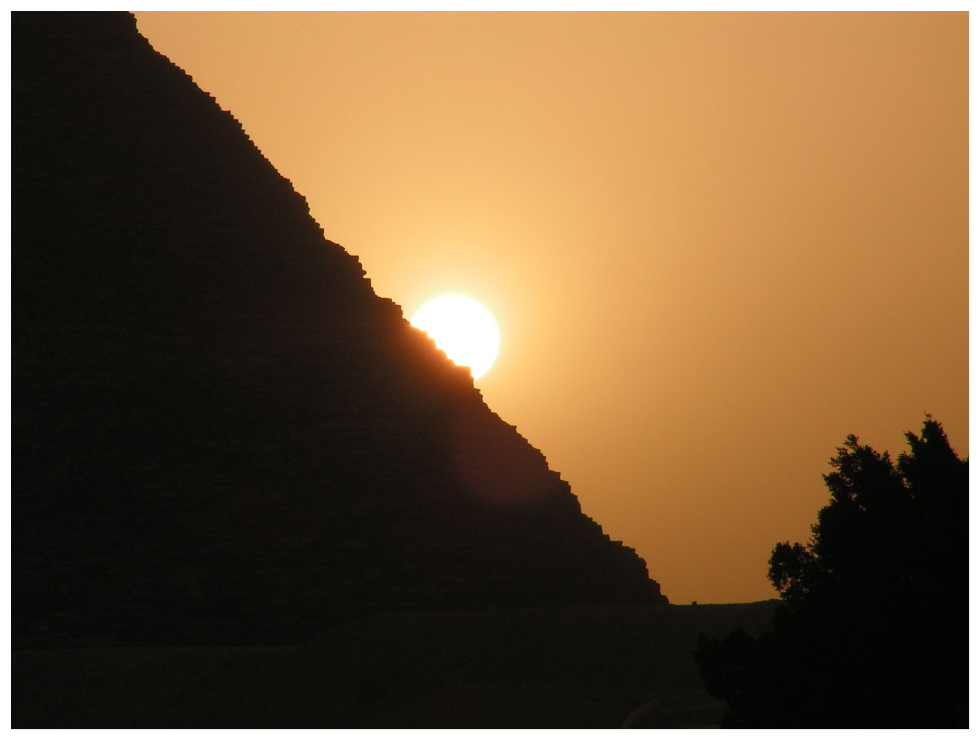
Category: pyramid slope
<point>220,432</point>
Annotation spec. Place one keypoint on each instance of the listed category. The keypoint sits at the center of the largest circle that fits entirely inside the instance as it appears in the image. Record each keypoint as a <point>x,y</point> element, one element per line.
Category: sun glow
<point>463,329</point>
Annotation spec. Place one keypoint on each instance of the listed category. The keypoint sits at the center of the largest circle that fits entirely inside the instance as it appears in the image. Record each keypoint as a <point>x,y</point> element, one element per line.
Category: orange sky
<point>715,243</point>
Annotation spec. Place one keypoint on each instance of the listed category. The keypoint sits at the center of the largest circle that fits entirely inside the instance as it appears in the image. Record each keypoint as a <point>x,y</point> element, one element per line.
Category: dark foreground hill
<point>578,667</point>
<point>220,434</point>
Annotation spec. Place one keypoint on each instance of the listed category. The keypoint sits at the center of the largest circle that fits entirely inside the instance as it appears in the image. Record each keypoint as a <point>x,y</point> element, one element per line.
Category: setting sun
<point>463,329</point>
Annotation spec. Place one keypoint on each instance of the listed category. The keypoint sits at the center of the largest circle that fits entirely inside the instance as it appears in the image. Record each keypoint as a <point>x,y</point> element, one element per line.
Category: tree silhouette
<point>873,631</point>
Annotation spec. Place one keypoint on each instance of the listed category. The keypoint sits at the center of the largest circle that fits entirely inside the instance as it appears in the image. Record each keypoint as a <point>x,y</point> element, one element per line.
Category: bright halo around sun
<point>463,329</point>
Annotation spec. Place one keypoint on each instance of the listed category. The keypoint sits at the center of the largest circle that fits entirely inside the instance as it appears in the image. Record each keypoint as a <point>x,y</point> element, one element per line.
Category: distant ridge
<point>220,433</point>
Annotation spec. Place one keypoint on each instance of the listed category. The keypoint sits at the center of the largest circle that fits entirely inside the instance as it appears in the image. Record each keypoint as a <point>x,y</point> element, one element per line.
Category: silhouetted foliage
<point>874,627</point>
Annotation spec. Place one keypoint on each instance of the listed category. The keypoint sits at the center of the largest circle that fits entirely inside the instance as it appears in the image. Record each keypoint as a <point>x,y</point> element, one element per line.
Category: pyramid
<point>220,433</point>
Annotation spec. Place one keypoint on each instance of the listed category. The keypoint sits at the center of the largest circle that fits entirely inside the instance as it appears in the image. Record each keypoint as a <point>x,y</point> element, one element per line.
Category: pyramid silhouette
<point>219,432</point>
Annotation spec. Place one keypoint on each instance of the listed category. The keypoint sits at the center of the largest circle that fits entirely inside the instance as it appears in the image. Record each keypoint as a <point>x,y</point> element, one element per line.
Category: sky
<point>715,243</point>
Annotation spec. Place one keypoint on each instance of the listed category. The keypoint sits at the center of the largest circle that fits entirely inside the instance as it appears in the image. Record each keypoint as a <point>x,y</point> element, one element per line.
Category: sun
<point>463,329</point>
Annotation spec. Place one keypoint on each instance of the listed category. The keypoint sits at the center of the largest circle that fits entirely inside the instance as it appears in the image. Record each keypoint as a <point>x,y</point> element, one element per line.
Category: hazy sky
<point>715,243</point>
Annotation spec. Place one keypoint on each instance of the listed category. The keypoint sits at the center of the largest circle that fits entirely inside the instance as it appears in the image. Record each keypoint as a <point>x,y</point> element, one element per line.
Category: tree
<point>873,630</point>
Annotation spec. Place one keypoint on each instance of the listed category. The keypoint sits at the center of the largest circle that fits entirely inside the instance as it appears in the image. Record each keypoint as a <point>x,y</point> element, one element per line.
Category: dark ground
<point>581,667</point>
